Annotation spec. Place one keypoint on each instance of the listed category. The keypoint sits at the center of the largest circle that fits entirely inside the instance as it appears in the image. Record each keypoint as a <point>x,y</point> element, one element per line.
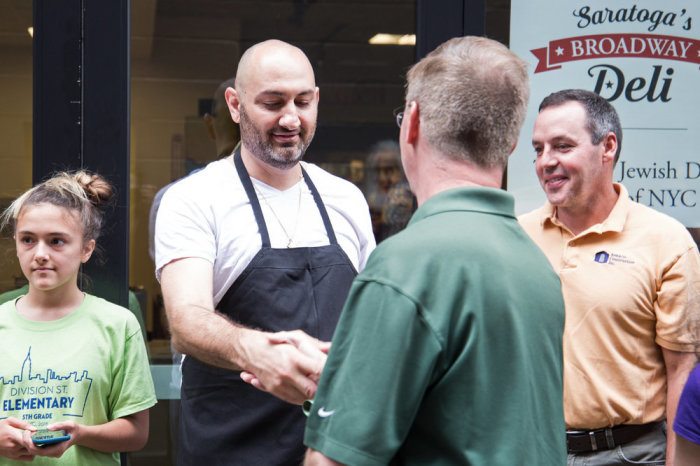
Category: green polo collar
<point>470,199</point>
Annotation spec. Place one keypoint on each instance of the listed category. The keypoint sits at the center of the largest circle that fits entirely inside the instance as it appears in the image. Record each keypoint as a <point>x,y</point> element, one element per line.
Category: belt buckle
<point>590,434</point>
<point>591,437</point>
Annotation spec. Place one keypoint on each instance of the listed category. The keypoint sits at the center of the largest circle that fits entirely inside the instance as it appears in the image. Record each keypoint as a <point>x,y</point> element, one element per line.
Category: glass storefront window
<point>15,123</point>
<point>182,51</point>
<point>497,20</point>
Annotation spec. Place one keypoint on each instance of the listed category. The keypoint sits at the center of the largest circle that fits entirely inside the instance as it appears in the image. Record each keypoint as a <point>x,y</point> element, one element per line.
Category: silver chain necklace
<point>290,238</point>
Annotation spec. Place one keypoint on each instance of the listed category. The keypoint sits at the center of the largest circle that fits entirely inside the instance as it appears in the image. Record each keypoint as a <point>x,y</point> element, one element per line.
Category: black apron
<point>225,421</point>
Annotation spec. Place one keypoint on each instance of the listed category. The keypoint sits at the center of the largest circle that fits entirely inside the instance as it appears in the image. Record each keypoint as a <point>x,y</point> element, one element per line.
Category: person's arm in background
<point>678,366</point>
<point>198,331</point>
<point>687,452</point>
<point>677,310</point>
<point>687,422</point>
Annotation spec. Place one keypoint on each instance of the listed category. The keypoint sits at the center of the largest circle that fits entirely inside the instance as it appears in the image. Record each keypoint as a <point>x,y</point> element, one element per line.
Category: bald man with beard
<point>255,255</point>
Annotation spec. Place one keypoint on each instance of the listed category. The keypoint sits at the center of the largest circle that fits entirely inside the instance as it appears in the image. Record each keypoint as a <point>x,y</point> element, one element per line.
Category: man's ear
<point>413,123</point>
<point>233,102</point>
<point>609,147</point>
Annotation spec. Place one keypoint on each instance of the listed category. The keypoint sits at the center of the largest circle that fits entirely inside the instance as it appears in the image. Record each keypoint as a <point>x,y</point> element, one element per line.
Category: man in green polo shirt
<point>449,349</point>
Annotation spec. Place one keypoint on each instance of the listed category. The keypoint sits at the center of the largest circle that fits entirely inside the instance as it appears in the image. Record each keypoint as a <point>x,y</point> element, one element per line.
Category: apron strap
<point>252,197</point>
<point>257,210</point>
<point>321,207</point>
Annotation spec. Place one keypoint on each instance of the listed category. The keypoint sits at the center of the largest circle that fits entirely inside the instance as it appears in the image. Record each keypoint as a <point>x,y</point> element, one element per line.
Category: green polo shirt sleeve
<point>382,361</point>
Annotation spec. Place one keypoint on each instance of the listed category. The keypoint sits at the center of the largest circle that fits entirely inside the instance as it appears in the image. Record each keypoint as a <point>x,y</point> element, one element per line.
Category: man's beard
<point>260,144</point>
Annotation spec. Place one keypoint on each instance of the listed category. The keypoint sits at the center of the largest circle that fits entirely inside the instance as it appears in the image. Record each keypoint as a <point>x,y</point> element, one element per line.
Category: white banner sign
<point>643,56</point>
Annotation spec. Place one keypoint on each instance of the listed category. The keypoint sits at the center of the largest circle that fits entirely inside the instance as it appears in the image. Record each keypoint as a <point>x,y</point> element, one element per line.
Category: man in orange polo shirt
<point>628,276</point>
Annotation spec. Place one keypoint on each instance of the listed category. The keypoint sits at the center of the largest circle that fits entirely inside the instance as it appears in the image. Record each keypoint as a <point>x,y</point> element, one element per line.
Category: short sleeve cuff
<point>338,451</point>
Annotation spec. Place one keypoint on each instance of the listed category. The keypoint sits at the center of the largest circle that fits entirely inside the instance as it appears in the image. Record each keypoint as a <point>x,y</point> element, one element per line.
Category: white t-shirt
<point>208,215</point>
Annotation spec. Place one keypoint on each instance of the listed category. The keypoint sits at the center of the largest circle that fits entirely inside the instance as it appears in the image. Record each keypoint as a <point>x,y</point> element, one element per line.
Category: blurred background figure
<point>225,134</point>
<point>390,200</point>
<point>222,129</point>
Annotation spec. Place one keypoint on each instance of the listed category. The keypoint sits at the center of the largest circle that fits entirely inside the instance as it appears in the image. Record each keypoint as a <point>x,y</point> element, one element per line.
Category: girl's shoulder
<point>6,306</point>
<point>12,295</point>
<point>108,313</point>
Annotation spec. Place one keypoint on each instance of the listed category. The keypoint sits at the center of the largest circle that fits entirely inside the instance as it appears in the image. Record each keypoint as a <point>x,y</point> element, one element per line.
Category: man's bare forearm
<point>197,330</point>
<point>287,370</point>
<point>678,367</point>
<point>207,336</point>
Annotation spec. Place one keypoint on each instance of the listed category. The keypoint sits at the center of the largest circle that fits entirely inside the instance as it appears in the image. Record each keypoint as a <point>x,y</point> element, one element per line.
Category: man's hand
<point>316,458</point>
<point>286,364</point>
<point>308,345</point>
<point>11,439</point>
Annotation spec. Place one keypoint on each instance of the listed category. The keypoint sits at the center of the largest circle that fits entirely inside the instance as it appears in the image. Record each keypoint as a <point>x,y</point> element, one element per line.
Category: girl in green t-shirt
<point>55,226</point>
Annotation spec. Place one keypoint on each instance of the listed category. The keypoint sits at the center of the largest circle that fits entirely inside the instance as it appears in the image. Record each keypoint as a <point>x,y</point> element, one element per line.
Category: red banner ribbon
<point>616,45</point>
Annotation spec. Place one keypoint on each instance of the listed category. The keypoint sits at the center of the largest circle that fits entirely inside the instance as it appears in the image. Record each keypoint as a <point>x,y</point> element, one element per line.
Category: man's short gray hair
<point>472,95</point>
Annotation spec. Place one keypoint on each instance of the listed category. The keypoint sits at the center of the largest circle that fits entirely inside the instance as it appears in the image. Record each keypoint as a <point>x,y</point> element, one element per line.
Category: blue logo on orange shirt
<point>602,257</point>
<point>611,258</point>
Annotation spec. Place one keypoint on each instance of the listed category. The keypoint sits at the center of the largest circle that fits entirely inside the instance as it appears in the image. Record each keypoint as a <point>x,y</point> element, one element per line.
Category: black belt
<point>581,441</point>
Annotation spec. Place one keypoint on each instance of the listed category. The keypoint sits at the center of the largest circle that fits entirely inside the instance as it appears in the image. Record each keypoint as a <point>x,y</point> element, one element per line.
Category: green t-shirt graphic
<point>90,367</point>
